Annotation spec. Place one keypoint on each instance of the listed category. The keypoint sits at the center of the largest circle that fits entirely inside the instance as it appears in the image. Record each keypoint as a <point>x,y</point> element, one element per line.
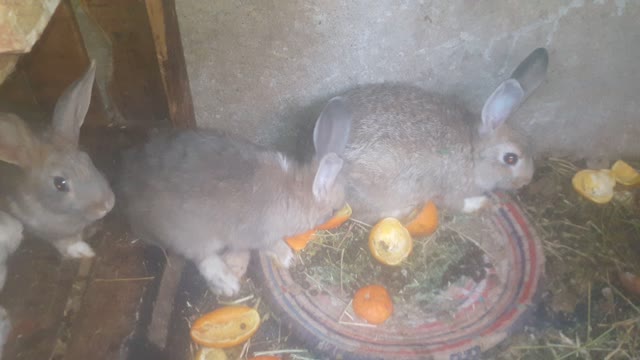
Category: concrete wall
<point>262,67</point>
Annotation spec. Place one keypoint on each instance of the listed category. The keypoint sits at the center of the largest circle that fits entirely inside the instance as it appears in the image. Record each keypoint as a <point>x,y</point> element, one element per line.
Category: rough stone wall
<point>260,68</point>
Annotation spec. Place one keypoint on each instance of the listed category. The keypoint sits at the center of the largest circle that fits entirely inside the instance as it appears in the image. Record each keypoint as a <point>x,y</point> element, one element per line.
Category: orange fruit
<point>338,218</point>
<point>595,185</point>
<point>225,327</point>
<point>390,242</point>
<point>299,242</point>
<point>625,174</point>
<point>425,222</point>
<point>373,303</point>
<point>210,354</point>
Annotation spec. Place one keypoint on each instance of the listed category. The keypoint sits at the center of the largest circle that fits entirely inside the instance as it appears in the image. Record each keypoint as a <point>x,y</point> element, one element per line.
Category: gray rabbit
<point>48,187</point>
<point>212,197</point>
<point>408,146</point>
<point>51,186</point>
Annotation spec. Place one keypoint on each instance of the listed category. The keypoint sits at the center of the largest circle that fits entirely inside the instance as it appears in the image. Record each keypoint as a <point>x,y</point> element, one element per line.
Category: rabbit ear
<point>72,106</point>
<point>331,132</point>
<point>496,110</point>
<point>532,70</point>
<point>328,170</point>
<point>17,142</point>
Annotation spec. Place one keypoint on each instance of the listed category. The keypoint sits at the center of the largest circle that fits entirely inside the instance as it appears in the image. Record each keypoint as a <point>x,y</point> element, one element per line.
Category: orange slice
<point>390,242</point>
<point>373,304</point>
<point>425,222</point>
<point>625,174</point>
<point>595,185</point>
<point>338,218</point>
<point>210,354</point>
<point>299,242</point>
<point>225,327</point>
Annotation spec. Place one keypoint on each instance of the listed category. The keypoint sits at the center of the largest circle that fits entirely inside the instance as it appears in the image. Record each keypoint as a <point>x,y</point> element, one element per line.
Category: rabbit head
<point>323,176</point>
<point>502,157</point>
<point>330,136</point>
<point>59,190</point>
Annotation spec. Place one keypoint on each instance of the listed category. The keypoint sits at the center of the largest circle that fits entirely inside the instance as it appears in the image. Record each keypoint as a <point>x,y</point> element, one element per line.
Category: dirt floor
<point>133,301</point>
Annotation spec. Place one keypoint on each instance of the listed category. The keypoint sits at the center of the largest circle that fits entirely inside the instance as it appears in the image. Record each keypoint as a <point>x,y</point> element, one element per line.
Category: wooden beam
<point>173,71</point>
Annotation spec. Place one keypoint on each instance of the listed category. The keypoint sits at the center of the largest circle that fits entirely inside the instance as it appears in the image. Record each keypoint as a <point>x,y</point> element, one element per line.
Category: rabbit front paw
<point>237,262</point>
<point>283,254</point>
<point>475,203</point>
<point>74,247</point>
<point>78,250</point>
<point>220,278</point>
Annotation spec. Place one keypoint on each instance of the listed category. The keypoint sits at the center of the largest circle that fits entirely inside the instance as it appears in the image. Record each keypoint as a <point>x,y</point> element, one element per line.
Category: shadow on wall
<point>264,69</point>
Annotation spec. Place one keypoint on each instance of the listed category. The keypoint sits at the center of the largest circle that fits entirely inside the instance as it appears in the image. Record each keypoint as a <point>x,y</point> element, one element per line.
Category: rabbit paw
<point>237,261</point>
<point>283,253</point>
<point>221,280</point>
<point>78,250</point>
<point>473,204</point>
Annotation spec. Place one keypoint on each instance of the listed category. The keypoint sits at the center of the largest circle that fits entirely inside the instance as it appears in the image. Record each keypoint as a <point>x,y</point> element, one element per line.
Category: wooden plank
<point>136,87</point>
<point>164,303</point>
<point>173,70</point>
<point>113,299</point>
<point>35,295</point>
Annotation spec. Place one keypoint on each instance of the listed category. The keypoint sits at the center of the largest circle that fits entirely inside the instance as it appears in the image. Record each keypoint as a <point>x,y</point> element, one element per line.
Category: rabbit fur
<point>213,197</point>
<point>409,146</point>
<point>48,184</point>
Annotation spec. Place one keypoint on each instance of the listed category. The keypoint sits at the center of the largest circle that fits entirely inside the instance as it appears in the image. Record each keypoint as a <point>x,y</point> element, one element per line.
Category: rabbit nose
<point>101,208</point>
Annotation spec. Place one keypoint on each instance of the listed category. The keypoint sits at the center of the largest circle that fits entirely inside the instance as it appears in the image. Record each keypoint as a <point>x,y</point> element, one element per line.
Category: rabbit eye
<point>61,184</point>
<point>510,159</point>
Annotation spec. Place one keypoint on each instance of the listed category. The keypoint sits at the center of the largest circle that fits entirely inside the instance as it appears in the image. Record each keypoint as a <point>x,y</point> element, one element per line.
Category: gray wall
<point>262,67</point>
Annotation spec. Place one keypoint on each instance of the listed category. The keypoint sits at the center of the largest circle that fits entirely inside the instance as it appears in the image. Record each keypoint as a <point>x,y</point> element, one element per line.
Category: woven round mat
<point>482,312</point>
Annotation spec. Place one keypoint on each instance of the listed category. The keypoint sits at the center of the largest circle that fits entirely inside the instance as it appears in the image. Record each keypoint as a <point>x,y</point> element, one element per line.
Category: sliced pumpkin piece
<point>424,222</point>
<point>225,327</point>
<point>390,242</point>
<point>625,174</point>
<point>338,218</point>
<point>595,185</point>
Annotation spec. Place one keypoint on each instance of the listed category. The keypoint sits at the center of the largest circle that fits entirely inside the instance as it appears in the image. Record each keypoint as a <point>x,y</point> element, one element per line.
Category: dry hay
<point>585,313</point>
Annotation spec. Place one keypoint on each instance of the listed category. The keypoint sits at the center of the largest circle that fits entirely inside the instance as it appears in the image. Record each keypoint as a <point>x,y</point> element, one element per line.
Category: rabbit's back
<point>405,146</point>
<point>203,187</point>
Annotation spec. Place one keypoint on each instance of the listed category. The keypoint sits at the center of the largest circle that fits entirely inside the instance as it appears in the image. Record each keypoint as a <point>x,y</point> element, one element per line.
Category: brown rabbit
<point>51,186</point>
<point>408,146</point>
<point>213,197</point>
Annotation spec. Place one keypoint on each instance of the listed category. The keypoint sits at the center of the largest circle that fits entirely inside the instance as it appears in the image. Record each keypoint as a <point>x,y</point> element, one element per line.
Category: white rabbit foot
<point>473,204</point>
<point>76,250</point>
<point>283,254</point>
<point>237,262</point>
<point>221,280</point>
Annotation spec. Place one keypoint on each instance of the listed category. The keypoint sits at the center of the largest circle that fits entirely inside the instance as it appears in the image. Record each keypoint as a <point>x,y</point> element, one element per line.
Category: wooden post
<point>173,71</point>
